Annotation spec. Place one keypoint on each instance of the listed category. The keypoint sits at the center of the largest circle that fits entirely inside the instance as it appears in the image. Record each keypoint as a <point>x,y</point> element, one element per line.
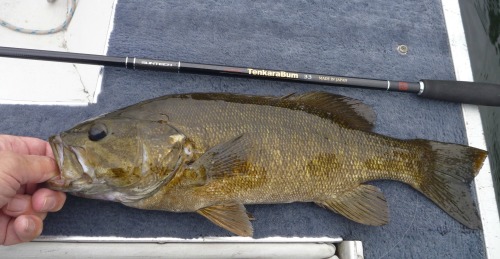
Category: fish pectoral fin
<point>365,204</point>
<point>232,217</point>
<point>227,159</point>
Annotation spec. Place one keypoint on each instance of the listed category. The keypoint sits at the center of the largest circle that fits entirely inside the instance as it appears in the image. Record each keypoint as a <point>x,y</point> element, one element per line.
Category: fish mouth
<point>56,144</point>
<point>57,148</point>
<point>70,174</point>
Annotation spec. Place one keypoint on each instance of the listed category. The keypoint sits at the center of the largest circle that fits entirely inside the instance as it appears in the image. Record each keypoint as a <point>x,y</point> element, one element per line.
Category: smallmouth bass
<point>212,153</point>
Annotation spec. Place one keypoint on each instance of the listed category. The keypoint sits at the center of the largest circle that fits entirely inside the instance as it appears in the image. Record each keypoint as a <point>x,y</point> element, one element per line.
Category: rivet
<point>402,49</point>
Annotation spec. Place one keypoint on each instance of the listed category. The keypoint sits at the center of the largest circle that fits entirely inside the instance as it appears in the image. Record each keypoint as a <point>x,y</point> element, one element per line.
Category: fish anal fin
<point>341,109</point>
<point>232,217</point>
<point>365,204</point>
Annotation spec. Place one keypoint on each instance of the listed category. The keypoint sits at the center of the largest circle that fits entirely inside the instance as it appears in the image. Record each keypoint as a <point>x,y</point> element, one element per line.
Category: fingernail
<point>17,205</point>
<point>29,225</point>
<point>48,204</point>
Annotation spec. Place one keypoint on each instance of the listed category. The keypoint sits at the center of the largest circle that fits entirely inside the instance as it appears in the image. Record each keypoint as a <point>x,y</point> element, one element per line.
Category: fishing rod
<point>453,91</point>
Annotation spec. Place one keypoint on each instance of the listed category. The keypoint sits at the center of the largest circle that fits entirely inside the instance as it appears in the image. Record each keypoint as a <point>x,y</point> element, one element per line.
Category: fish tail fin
<point>448,171</point>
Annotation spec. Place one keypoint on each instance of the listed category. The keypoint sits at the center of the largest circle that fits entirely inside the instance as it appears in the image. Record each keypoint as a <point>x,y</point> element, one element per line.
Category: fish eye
<point>97,132</point>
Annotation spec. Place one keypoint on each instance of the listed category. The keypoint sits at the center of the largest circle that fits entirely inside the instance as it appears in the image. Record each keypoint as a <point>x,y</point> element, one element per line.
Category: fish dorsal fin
<point>341,109</point>
<point>365,204</point>
<point>232,217</point>
<point>344,110</point>
<point>226,159</point>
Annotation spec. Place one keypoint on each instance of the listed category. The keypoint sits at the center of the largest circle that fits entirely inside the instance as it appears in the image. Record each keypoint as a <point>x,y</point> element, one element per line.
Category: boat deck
<point>355,39</point>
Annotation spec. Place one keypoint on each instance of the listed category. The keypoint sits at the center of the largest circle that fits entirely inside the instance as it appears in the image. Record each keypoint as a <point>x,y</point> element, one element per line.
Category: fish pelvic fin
<point>365,204</point>
<point>449,171</point>
<point>232,216</point>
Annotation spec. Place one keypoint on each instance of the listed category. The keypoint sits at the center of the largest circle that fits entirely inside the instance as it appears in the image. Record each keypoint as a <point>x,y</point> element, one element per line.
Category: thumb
<point>27,168</point>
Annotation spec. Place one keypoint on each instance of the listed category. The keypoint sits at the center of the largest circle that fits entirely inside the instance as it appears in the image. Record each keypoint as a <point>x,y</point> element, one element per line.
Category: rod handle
<point>462,92</point>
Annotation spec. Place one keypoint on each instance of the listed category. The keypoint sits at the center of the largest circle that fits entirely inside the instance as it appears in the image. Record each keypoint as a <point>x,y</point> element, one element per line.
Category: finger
<point>24,145</point>
<point>23,229</point>
<point>21,205</point>
<point>22,189</point>
<point>45,200</point>
<point>48,151</point>
<point>25,169</point>
<point>31,188</point>
<point>4,222</point>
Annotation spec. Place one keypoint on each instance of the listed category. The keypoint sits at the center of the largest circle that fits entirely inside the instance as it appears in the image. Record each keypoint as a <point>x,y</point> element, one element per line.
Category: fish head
<point>117,159</point>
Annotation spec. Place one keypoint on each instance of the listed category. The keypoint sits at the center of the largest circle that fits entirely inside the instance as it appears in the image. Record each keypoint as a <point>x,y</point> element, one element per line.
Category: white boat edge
<point>485,192</point>
<point>235,239</point>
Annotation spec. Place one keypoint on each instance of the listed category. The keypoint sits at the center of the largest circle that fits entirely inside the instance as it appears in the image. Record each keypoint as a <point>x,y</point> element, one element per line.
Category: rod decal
<point>270,73</point>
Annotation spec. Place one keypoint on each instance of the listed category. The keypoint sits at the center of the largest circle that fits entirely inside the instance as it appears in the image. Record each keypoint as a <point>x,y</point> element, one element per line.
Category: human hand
<point>25,162</point>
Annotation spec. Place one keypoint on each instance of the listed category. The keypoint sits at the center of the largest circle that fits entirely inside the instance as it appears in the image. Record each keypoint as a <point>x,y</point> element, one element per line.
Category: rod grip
<point>462,92</point>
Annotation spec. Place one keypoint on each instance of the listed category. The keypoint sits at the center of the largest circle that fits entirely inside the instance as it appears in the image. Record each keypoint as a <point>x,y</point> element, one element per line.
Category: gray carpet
<point>351,38</point>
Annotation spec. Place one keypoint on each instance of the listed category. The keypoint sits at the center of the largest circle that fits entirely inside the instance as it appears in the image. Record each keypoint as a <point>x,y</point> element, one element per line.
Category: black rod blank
<point>454,91</point>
